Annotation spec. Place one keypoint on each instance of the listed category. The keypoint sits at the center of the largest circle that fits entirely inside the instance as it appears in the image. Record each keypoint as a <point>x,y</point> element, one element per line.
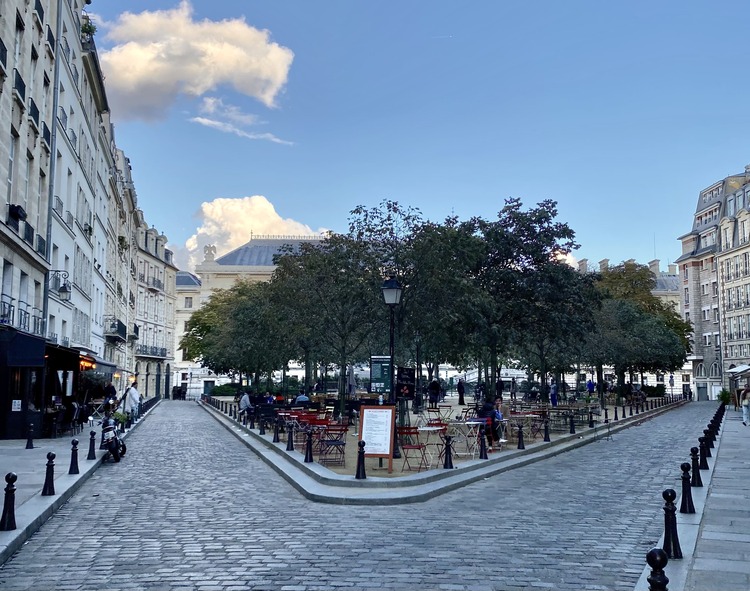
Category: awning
<point>19,349</point>
<point>739,370</point>
<point>97,364</point>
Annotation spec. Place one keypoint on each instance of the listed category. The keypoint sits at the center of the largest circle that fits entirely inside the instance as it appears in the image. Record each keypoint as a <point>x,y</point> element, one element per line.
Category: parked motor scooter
<point>111,440</point>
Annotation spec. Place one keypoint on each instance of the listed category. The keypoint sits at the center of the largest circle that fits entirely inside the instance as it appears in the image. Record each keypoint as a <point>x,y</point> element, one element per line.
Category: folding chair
<point>412,449</point>
<point>333,445</point>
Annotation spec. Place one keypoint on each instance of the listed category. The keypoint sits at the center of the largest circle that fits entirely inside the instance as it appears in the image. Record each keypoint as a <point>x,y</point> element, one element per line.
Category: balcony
<point>63,117</point>
<point>41,245</point>
<point>19,89</point>
<point>46,137</point>
<point>73,138</point>
<point>37,322</point>
<point>69,219</point>
<point>52,337</point>
<point>149,351</point>
<point>3,59</point>
<point>7,310</point>
<point>58,206</point>
<point>34,115</point>
<point>65,341</point>
<point>115,330</point>
<point>155,284</point>
<point>135,333</point>
<point>28,233</point>
<point>23,320</point>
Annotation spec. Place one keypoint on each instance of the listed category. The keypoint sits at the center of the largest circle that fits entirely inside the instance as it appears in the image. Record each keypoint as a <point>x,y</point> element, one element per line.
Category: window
<point>700,371</point>
<point>684,271</point>
<point>715,373</point>
<point>687,316</point>
<point>707,340</point>
<point>188,302</point>
<point>686,378</point>
<point>687,296</point>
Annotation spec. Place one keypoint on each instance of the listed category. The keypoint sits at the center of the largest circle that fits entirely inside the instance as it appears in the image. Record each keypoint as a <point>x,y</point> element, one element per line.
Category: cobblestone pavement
<point>191,508</point>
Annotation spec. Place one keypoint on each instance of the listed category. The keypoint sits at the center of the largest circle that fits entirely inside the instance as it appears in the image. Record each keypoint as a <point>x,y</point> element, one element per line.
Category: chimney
<point>653,266</point>
<point>583,266</point>
<point>673,269</point>
<point>604,265</point>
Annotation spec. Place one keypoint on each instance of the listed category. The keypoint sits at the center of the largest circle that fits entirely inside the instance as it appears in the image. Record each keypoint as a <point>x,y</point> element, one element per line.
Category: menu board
<point>376,430</point>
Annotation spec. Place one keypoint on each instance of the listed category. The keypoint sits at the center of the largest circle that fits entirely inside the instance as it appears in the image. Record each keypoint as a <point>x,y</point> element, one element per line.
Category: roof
<point>185,279</point>
<point>260,252</point>
<point>667,282</point>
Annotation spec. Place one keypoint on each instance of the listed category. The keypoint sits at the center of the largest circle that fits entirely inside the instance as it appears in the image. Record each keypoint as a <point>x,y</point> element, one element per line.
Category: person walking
<point>553,393</point>
<point>132,401</point>
<point>499,388</point>
<point>461,387</point>
<point>513,388</point>
<point>433,392</point>
<point>745,403</point>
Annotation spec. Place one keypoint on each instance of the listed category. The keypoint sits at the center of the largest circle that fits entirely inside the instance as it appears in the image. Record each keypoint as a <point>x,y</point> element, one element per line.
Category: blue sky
<point>281,117</point>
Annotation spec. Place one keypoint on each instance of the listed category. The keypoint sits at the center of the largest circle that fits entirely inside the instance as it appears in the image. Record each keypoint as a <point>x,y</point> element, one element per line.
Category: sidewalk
<point>30,465</point>
<point>715,541</point>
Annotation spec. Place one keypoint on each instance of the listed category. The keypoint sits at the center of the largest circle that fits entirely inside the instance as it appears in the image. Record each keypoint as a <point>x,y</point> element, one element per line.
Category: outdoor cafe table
<point>532,425</point>
<point>431,440</point>
<point>465,436</point>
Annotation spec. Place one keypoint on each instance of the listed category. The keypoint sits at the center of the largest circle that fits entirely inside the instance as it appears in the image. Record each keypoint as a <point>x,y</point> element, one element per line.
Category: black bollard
<point>606,416</point>
<point>290,437</point>
<point>520,437</point>
<point>49,480</point>
<point>8,520</point>
<point>671,541</point>
<point>572,424</point>
<point>448,461</point>
<point>262,426</point>
<point>623,410</point>
<point>636,408</point>
<point>30,439</point>
<point>591,419</point>
<point>482,443</point>
<point>546,430</point>
<point>252,421</point>
<point>74,458</point>
<point>657,559</point>
<point>695,467</point>
<point>707,442</point>
<point>276,438</point>
<point>92,446</point>
<point>615,414</point>
<point>308,447</point>
<point>703,456</point>
<point>686,504</point>
<point>360,475</point>
<point>631,409</point>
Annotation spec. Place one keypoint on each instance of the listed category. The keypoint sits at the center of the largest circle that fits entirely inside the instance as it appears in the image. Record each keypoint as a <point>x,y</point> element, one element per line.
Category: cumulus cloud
<point>231,119</point>
<point>229,223</point>
<point>162,54</point>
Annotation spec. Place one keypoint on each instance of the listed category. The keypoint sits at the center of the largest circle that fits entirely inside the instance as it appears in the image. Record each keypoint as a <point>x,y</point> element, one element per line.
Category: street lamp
<point>392,297</point>
<point>59,279</point>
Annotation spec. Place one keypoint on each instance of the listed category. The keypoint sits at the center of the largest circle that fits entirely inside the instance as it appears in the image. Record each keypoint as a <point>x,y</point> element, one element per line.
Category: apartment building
<point>715,274</point>
<point>68,318</point>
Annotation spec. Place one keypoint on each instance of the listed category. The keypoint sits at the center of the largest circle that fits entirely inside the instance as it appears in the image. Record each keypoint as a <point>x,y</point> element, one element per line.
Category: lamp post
<point>62,287</point>
<point>392,297</point>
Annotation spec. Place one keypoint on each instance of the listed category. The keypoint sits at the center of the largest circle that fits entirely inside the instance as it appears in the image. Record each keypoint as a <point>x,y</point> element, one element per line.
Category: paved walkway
<point>200,513</point>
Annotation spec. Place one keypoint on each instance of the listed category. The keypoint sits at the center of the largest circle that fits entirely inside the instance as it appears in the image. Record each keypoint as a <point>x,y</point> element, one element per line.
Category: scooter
<point>111,440</point>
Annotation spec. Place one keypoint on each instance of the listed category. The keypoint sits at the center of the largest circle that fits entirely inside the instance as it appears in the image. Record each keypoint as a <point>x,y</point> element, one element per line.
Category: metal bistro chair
<point>412,449</point>
<point>333,445</point>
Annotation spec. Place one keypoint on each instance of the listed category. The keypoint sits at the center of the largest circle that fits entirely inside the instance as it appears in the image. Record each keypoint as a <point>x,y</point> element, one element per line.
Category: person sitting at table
<point>497,420</point>
<point>302,398</point>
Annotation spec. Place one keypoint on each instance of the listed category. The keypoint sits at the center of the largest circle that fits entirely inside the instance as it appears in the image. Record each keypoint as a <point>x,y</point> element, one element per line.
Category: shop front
<point>21,383</point>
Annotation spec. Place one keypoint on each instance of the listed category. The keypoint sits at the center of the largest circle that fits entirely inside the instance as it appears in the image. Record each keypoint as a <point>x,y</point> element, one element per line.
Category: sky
<point>280,117</point>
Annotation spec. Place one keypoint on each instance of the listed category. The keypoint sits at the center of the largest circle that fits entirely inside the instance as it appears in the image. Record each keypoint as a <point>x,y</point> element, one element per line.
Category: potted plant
<point>725,396</point>
<point>88,28</point>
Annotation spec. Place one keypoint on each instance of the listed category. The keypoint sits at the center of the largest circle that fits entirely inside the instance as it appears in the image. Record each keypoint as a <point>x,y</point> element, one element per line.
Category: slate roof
<point>259,252</point>
<point>185,279</point>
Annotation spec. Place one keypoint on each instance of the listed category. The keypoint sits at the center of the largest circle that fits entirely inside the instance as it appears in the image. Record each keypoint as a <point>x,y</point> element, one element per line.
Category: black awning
<point>18,349</point>
<point>59,357</point>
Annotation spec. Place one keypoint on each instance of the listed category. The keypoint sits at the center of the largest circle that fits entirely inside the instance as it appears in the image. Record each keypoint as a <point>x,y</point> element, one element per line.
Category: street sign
<point>380,374</point>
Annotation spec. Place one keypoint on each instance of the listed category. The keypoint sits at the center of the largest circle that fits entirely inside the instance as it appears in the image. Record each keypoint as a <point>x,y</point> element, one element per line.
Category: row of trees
<point>476,292</point>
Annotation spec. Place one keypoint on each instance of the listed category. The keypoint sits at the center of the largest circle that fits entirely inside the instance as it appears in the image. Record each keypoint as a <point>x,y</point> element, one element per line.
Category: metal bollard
<point>631,409</point>
<point>448,461</point>
<point>30,439</point>
<point>276,438</point>
<point>686,504</point>
<point>703,456</point>
<point>707,441</point>
<point>623,410</point>
<point>49,480</point>
<point>657,559</point>
<point>520,437</point>
<point>572,424</point>
<point>262,427</point>
<point>74,458</point>
<point>308,447</point>
<point>591,419</point>
<point>546,430</point>
<point>606,416</point>
<point>671,541</point>
<point>482,443</point>
<point>615,413</point>
<point>92,446</point>
<point>360,475</point>
<point>636,408</point>
<point>8,520</point>
<point>290,437</point>
<point>695,467</point>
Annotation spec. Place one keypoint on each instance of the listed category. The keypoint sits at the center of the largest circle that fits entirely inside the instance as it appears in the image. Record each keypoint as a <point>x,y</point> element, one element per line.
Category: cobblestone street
<point>191,508</point>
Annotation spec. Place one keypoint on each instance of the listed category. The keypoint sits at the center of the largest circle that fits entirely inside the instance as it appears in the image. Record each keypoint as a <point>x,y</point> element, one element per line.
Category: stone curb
<point>319,484</point>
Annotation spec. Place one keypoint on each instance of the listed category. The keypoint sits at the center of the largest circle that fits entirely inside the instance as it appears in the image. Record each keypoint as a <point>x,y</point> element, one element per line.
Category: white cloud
<point>231,119</point>
<point>229,223</point>
<point>162,54</point>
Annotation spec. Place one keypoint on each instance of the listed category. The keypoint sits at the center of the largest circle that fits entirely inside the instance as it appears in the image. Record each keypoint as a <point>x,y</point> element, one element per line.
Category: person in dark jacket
<point>433,392</point>
<point>461,391</point>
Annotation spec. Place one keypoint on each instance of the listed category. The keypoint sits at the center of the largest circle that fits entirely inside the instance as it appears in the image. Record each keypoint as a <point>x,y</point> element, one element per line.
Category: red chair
<point>412,449</point>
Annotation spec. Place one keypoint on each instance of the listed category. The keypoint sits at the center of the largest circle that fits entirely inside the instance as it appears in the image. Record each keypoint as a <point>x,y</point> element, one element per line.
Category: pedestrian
<point>497,421</point>
<point>245,404</point>
<point>110,392</point>
<point>553,393</point>
<point>461,387</point>
<point>132,401</point>
<point>513,388</point>
<point>590,387</point>
<point>499,389</point>
<point>433,390</point>
<point>745,402</point>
